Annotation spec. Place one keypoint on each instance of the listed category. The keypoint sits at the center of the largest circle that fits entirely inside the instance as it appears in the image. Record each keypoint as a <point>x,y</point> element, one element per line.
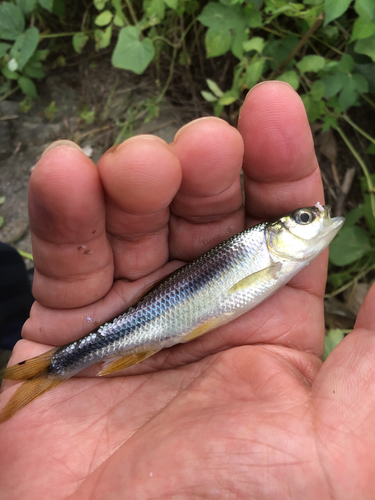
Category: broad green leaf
<point>290,77</point>
<point>317,90</point>
<point>362,29</point>
<point>118,21</point>
<point>25,46</point>
<point>314,110</point>
<point>10,75</point>
<point>254,19</point>
<point>349,95</point>
<point>333,84</point>
<point>104,18</point>
<point>103,37</point>
<point>100,4</point>
<point>329,122</point>
<point>131,52</point>
<point>254,72</point>
<point>4,47</point>
<point>278,50</point>
<point>218,41</point>
<point>240,36</point>
<point>215,89</point>
<point>365,7</point>
<point>353,216</point>
<point>360,82</point>
<point>155,10</point>
<point>332,339</point>
<point>208,96</point>
<point>346,64</point>
<point>349,245</point>
<point>229,97</point>
<point>366,47</point>
<point>256,43</point>
<point>48,5</point>
<point>34,70</point>
<point>311,63</point>
<point>172,4</point>
<point>26,6</point>
<point>79,41</point>
<point>215,15</point>
<point>335,9</point>
<point>12,22</point>
<point>27,86</point>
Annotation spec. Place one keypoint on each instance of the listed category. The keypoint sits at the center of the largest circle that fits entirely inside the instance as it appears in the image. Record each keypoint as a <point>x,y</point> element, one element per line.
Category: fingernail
<point>147,137</point>
<point>66,143</point>
<point>203,118</point>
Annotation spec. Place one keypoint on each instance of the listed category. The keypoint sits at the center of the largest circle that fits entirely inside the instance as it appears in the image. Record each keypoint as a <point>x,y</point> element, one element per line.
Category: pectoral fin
<point>255,279</point>
<point>111,365</point>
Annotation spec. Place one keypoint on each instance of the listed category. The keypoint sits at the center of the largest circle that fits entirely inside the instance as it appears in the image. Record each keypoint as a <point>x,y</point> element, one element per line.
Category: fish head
<point>303,234</point>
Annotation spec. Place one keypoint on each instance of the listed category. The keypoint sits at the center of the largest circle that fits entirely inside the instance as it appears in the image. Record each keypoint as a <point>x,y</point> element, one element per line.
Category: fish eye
<point>304,216</point>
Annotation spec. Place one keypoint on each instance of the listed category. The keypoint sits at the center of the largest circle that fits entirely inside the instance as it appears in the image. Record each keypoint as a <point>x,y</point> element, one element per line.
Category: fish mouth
<point>332,224</point>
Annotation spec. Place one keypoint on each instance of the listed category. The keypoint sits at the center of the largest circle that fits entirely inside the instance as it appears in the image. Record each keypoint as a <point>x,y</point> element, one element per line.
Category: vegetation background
<point>202,58</point>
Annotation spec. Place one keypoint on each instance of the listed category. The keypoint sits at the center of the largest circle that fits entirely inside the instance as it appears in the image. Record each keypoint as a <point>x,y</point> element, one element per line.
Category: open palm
<point>246,411</point>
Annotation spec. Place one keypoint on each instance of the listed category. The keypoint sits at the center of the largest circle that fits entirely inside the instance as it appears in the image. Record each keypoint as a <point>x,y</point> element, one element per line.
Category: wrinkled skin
<point>247,411</point>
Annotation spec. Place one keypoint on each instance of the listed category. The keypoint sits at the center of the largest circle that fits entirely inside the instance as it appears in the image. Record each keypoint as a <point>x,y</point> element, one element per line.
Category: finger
<point>72,256</point>
<point>140,178</point>
<point>366,315</point>
<point>281,171</point>
<point>208,206</point>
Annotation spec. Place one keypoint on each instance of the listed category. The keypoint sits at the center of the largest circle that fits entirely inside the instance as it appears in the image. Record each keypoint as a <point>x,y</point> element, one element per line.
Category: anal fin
<point>111,366</point>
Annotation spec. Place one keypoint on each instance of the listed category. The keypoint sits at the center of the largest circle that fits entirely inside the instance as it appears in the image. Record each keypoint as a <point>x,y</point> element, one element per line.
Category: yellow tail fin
<point>25,370</point>
<point>28,391</point>
<point>35,372</point>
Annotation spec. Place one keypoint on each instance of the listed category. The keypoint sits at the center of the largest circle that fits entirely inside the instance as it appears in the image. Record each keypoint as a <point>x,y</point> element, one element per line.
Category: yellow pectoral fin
<point>256,278</point>
<point>201,329</point>
<point>125,361</point>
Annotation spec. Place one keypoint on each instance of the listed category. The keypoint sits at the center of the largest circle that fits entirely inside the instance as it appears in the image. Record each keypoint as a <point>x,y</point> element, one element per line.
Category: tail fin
<point>35,372</point>
<point>28,391</point>
<point>25,370</point>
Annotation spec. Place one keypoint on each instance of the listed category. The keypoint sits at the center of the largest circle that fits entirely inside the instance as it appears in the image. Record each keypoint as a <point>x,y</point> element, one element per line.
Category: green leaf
<point>218,41</point>
<point>333,84</point>
<point>208,96</point>
<point>353,216</point>
<point>366,47</point>
<point>172,4</point>
<point>132,53</point>
<point>254,19</point>
<point>155,10</point>
<point>329,122</point>
<point>100,4</point>
<point>365,7</point>
<point>256,43</point>
<point>104,18</point>
<point>311,63</point>
<point>79,41</point>
<point>87,115</point>
<point>229,97</point>
<point>362,29</point>
<point>332,339</point>
<point>278,50</point>
<point>215,15</point>
<point>34,70</point>
<point>317,90</point>
<point>10,75</point>
<point>4,47</point>
<point>25,46</point>
<point>314,110</point>
<point>118,21</point>
<point>2,221</point>
<point>346,64</point>
<point>27,86</point>
<point>335,9</point>
<point>215,89</point>
<point>12,22</point>
<point>26,6</point>
<point>103,37</point>
<point>349,245</point>
<point>254,72</point>
<point>290,77</point>
<point>360,83</point>
<point>349,95</point>
<point>46,4</point>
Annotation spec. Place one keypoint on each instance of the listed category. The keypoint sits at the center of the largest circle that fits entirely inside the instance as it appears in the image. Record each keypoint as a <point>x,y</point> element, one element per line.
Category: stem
<point>25,254</point>
<point>5,96</point>
<point>57,35</point>
<point>167,83</point>
<point>132,13</point>
<point>366,98</point>
<point>363,166</point>
<point>358,129</point>
<point>350,283</point>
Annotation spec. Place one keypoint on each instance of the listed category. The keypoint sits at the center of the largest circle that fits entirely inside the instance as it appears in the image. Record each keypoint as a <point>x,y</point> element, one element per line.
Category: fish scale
<point>216,288</point>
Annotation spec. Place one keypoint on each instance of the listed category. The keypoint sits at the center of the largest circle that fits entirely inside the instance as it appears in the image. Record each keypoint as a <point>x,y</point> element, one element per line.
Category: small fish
<point>214,289</point>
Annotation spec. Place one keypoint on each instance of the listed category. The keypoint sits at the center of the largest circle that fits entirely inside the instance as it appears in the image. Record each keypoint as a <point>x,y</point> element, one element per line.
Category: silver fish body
<point>216,288</point>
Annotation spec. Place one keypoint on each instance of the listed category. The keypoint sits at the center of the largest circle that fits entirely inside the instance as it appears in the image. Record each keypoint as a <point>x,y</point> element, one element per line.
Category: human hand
<point>247,410</point>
